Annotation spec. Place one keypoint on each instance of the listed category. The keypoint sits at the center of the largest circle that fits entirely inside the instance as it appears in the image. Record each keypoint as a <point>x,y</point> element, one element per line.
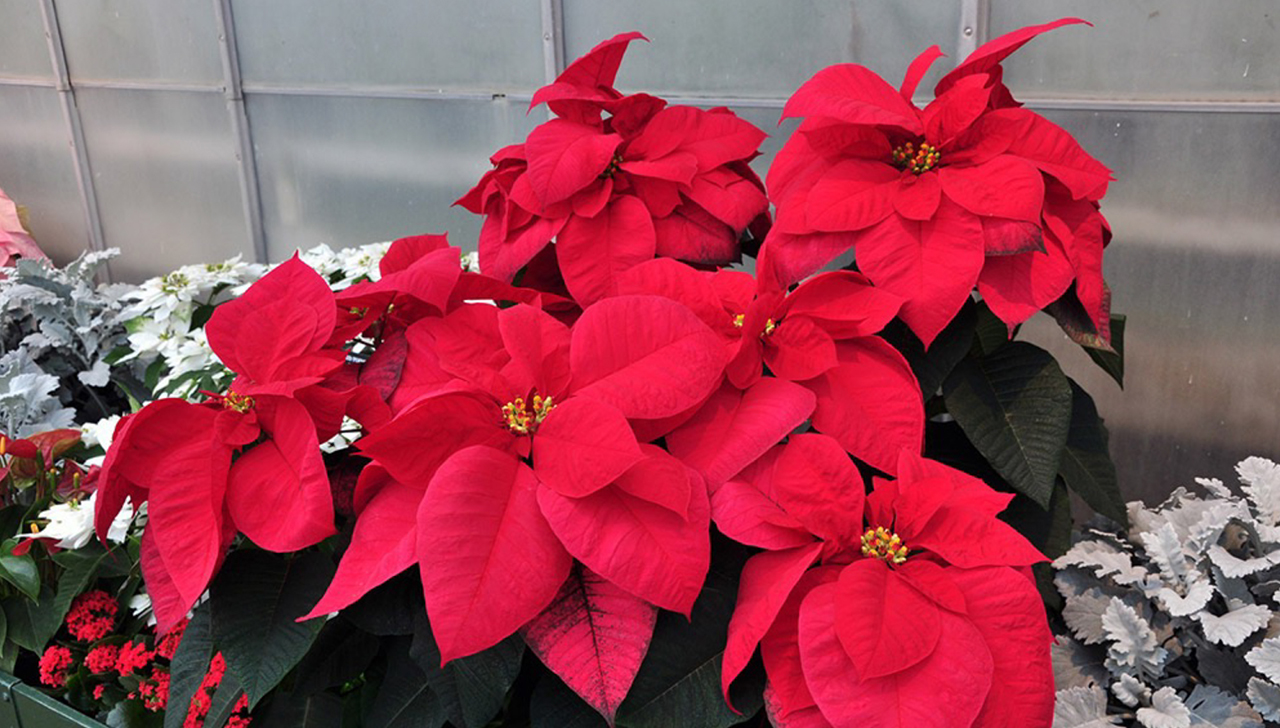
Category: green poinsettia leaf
<point>1014,405</point>
<point>1086,463</point>
<point>405,700</point>
<point>256,600</point>
<point>21,572</point>
<point>554,705</point>
<point>471,690</point>
<point>1112,362</point>
<point>189,664</point>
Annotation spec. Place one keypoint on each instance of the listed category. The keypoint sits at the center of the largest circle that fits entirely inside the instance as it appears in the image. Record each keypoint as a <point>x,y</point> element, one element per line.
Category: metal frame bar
<point>552,39</point>
<point>75,133</point>
<point>233,91</point>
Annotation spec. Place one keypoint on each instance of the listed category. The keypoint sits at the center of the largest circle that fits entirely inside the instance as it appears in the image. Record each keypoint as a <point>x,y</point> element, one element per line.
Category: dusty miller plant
<point>1173,623</point>
<point>57,326</point>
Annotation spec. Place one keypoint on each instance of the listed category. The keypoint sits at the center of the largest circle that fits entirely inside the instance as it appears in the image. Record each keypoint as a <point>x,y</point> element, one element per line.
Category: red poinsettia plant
<point>645,466</point>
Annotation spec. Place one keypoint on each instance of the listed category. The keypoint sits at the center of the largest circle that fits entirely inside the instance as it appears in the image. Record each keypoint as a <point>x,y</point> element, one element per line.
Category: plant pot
<point>22,706</point>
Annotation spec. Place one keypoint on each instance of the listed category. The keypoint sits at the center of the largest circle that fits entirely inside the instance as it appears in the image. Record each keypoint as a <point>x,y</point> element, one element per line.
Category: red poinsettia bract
<point>971,190</point>
<point>178,456</point>
<point>914,609</point>
<point>649,179</point>
<point>517,457</point>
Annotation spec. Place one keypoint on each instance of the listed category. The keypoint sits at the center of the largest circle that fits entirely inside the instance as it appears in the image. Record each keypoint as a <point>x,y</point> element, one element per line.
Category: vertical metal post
<point>75,132</point>
<point>552,40</point>
<point>975,20</point>
<point>233,91</point>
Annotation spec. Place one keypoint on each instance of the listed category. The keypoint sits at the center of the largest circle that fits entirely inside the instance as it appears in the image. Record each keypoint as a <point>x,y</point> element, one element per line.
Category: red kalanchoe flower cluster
<point>167,645</point>
<point>133,656</point>
<point>614,191</point>
<point>54,665</point>
<point>92,616</point>
<point>102,659</point>
<point>153,691</point>
<point>971,190</point>
<point>202,700</point>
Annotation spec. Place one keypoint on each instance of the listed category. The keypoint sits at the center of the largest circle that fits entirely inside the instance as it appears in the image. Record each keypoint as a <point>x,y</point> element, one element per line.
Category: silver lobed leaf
<point>1082,708</point>
<point>1166,711</point>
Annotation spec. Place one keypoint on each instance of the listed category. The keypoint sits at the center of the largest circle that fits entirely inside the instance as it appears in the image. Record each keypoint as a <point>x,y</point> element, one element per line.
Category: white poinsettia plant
<point>1173,622</point>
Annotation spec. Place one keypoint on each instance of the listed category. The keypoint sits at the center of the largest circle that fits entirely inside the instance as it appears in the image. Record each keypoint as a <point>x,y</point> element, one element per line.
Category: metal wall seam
<point>233,91</point>
<point>972,27</point>
<point>75,133</point>
<point>552,40</point>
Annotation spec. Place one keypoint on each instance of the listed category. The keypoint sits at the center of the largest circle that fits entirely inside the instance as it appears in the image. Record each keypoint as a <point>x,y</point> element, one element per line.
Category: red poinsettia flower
<point>178,456</point>
<point>649,179</point>
<point>821,336</point>
<point>517,457</point>
<point>971,190</point>
<point>920,611</point>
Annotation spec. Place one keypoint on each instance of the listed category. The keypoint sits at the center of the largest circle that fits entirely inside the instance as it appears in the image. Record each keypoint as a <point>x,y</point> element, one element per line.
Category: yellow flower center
<point>739,320</point>
<point>612,169</point>
<point>769,326</point>
<point>239,402</point>
<point>521,420</point>
<point>881,543</point>
<point>918,160</point>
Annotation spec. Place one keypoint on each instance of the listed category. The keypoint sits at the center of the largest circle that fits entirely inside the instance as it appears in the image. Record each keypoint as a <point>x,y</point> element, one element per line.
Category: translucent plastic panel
<point>1194,264</point>
<point>1163,49</point>
<point>23,51</point>
<point>437,44</point>
<point>728,47</point>
<point>349,171</point>
<point>37,171</point>
<point>141,40</point>
<point>164,167</point>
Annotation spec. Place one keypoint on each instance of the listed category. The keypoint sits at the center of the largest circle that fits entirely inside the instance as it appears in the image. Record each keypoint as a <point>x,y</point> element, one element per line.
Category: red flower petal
<point>593,251</point>
<point>278,491</point>
<point>538,345</point>
<point>285,315</point>
<point>648,356</point>
<point>871,403</point>
<point>594,636</point>
<point>843,303</point>
<point>404,252</point>
<point>661,479</point>
<point>916,71</point>
<point>712,139</point>
<point>766,583</point>
<point>734,427</point>
<point>505,255</point>
<point>884,623</point>
<point>799,349</point>
<point>990,54</point>
<point>933,265</point>
<point>693,234</point>
<point>1052,149</point>
<point>855,194</point>
<point>640,546</point>
<point>432,429</point>
<point>917,196</point>
<point>679,282</point>
<point>744,513</point>
<point>786,258</point>
<point>966,491</point>
<point>952,113</point>
<point>1007,610</point>
<point>815,481</point>
<point>597,69</point>
<point>1018,286</point>
<point>566,156</point>
<point>582,446</point>
<point>383,544</point>
<point>934,582</point>
<point>967,538</point>
<point>729,197</point>
<point>947,689</point>
<point>780,648</point>
<point>138,449</point>
<point>853,94</point>
<point>1004,186</point>
<point>489,561</point>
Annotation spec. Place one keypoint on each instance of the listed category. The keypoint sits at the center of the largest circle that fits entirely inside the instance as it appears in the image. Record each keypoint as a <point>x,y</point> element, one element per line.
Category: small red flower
<point>54,664</point>
<point>133,656</point>
<point>154,691</point>
<point>99,690</point>
<point>92,616</point>
<point>168,644</point>
<point>102,659</point>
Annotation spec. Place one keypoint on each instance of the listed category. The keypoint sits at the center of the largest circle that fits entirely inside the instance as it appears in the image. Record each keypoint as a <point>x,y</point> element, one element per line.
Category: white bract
<point>71,523</point>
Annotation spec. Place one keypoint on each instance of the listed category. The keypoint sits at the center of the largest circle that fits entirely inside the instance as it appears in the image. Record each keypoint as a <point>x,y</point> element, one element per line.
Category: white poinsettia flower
<point>99,433</point>
<point>71,523</point>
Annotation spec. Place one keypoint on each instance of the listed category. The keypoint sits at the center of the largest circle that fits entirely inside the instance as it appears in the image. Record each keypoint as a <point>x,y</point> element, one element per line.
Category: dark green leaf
<point>224,701</point>
<point>1014,405</point>
<point>679,681</point>
<point>555,705</point>
<point>256,600</point>
<point>339,654</point>
<point>189,665</point>
<point>404,699</point>
<point>33,623</point>
<point>21,572</point>
<point>8,655</point>
<point>201,314</point>
<point>11,518</point>
<point>81,567</point>
<point>990,333</point>
<point>932,367</point>
<point>1086,464</point>
<point>471,690</point>
<point>1112,362</point>
<point>390,608</point>
<point>131,714</point>
<point>288,710</point>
